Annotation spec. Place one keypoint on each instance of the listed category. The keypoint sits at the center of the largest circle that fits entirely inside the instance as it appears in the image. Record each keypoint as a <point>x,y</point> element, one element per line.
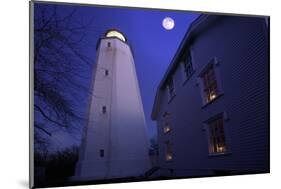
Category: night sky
<point>153,48</point>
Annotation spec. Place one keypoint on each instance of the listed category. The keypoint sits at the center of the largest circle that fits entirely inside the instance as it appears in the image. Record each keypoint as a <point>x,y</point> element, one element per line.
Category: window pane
<point>210,84</point>
<point>217,137</point>
<point>169,155</point>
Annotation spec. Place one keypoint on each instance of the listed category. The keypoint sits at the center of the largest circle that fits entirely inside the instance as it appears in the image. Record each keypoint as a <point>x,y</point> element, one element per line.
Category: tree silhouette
<point>59,38</point>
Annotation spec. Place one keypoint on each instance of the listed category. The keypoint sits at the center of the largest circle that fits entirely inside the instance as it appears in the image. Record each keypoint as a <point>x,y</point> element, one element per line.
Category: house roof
<point>196,27</point>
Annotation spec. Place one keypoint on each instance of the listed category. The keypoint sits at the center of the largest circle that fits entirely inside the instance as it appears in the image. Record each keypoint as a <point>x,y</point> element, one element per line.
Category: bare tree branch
<point>44,130</point>
<point>60,38</point>
<point>53,121</point>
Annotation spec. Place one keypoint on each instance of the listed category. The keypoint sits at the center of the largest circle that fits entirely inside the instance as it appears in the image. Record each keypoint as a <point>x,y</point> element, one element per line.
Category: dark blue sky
<point>153,46</point>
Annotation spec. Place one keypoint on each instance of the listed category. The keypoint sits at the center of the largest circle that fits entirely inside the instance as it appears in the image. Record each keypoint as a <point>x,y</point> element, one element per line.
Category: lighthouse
<point>115,142</point>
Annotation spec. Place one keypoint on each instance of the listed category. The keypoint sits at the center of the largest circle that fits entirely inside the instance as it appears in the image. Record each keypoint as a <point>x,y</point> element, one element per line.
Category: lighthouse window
<point>108,44</point>
<point>106,72</point>
<point>104,109</point>
<point>101,153</point>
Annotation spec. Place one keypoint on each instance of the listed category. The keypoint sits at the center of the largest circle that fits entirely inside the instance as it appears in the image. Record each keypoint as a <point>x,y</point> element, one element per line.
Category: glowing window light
<point>220,149</point>
<point>169,156</point>
<point>212,96</point>
<point>217,136</point>
<point>114,33</point>
<point>167,129</point>
<point>211,89</point>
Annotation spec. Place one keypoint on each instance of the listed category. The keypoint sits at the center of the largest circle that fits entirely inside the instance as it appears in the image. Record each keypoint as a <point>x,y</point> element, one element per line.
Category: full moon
<point>168,23</point>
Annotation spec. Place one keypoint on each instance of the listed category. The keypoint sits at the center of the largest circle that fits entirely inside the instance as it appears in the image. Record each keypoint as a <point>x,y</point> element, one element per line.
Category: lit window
<point>169,155</point>
<point>210,84</point>
<point>101,153</point>
<point>171,88</point>
<point>167,128</point>
<point>188,68</point>
<point>217,140</point>
<point>166,125</point>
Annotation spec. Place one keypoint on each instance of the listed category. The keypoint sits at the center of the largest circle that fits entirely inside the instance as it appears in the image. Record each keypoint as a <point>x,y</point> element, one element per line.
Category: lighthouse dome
<point>115,33</point>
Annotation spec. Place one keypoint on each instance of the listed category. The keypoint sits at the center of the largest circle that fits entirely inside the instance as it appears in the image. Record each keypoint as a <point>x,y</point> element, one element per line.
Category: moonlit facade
<point>211,106</point>
<point>115,141</point>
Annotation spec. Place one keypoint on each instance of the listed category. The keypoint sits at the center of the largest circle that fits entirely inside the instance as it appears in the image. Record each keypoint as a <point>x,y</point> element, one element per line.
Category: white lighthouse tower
<point>115,142</point>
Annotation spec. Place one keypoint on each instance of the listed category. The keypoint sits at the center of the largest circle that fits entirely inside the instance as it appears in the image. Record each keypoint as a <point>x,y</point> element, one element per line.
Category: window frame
<point>168,151</point>
<point>166,123</point>
<point>214,65</point>
<point>206,127</point>
<point>210,84</point>
<point>189,56</point>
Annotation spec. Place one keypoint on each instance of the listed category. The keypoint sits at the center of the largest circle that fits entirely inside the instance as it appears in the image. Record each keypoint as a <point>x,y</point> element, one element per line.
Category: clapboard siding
<point>240,44</point>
